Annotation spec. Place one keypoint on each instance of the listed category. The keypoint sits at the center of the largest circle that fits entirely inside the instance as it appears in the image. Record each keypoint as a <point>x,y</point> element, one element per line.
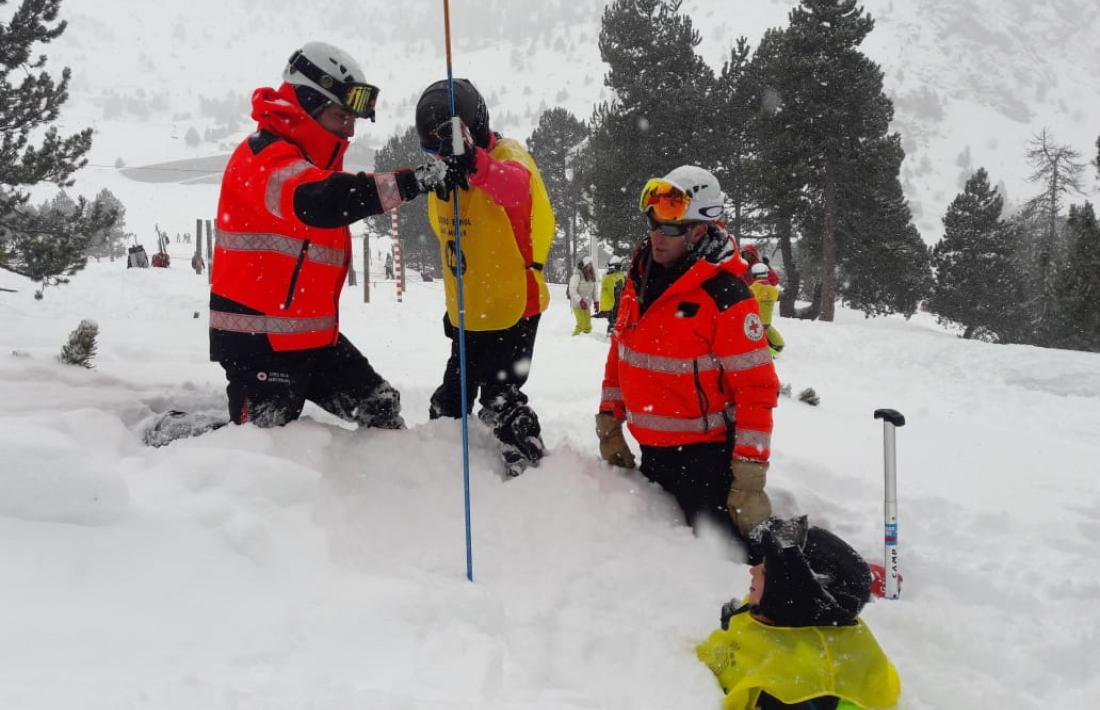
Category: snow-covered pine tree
<point>554,145</point>
<point>1078,288</point>
<point>81,346</point>
<point>44,246</point>
<point>110,242</point>
<point>977,283</point>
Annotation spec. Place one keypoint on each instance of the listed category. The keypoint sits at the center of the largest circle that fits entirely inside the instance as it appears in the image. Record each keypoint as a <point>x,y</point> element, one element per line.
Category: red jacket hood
<point>279,112</point>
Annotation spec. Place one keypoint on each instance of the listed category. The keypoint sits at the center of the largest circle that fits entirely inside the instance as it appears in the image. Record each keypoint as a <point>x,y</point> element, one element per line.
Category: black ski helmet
<point>434,109</point>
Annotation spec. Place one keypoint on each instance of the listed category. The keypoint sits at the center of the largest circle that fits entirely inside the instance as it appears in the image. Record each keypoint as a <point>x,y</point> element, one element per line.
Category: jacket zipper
<point>294,275</point>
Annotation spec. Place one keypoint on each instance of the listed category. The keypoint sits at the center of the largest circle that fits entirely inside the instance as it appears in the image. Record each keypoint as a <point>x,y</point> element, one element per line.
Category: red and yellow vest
<point>503,257</point>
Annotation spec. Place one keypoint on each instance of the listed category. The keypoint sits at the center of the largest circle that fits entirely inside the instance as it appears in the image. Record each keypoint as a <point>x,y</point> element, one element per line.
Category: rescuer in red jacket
<point>283,248</point>
<point>688,369</point>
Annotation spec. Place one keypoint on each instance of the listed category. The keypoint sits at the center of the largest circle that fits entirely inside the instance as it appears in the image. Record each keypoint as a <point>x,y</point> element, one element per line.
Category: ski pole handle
<point>891,420</point>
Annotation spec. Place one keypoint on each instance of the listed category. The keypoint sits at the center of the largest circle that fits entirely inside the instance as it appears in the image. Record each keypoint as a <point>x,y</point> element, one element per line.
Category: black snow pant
<point>697,475</point>
<point>497,365</point>
<point>271,389</point>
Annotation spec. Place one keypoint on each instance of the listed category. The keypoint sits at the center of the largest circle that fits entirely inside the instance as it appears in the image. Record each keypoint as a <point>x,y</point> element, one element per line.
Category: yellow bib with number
<point>496,275</point>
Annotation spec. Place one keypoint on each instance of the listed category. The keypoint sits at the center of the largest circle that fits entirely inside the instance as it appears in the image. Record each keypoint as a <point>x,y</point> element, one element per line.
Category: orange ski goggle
<point>665,201</point>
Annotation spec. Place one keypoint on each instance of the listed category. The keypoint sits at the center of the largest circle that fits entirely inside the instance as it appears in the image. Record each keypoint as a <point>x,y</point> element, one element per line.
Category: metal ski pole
<point>458,147</point>
<point>891,420</point>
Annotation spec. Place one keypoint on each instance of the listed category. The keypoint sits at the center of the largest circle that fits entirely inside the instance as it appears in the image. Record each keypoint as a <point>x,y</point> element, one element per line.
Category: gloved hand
<point>583,305</point>
<point>443,176</point>
<point>446,144</point>
<point>747,502</point>
<point>613,448</point>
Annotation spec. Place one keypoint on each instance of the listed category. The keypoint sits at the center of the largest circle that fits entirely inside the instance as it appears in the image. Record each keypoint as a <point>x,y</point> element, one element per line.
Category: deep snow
<point>319,567</point>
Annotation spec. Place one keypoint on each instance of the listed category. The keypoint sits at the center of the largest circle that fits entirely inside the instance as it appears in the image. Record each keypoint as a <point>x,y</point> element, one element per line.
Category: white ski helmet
<point>333,73</point>
<point>760,270</point>
<point>705,201</point>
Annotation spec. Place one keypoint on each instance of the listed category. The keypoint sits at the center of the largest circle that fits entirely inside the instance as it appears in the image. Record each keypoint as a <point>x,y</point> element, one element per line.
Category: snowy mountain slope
<point>972,80</point>
<point>316,566</point>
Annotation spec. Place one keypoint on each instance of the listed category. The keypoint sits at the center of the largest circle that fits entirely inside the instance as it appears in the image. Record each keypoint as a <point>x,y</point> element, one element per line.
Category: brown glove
<point>747,502</point>
<point>613,448</point>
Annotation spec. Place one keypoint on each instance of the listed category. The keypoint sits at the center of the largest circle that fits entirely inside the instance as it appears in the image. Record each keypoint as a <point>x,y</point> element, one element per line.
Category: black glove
<point>443,176</point>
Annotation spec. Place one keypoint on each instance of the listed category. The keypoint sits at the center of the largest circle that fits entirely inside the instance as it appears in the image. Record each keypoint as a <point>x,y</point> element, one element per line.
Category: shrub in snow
<point>81,346</point>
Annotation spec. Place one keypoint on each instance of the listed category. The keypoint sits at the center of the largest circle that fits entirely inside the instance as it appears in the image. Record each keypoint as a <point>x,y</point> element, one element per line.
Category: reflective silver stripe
<point>326,255</point>
<point>676,424</point>
<point>273,193</point>
<point>242,323</point>
<point>611,394</point>
<point>388,193</point>
<point>746,361</point>
<point>235,241</point>
<point>668,365</point>
<point>760,440</point>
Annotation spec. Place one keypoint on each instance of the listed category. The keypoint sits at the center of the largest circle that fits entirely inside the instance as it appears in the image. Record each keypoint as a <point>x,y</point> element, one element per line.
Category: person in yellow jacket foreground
<point>507,228</point>
<point>766,294</point>
<point>797,640</point>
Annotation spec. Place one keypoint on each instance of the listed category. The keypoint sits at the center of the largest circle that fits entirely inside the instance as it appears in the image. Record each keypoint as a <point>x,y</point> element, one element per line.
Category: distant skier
<point>582,295</point>
<point>751,255</point>
<point>508,226</point>
<point>688,368</point>
<point>389,266</point>
<point>283,248</point>
<point>611,288</point>
<point>796,640</point>
<point>766,294</point>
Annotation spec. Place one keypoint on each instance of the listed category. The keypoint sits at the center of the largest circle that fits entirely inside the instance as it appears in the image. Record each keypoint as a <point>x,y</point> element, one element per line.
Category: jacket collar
<point>279,112</point>
<point>715,252</point>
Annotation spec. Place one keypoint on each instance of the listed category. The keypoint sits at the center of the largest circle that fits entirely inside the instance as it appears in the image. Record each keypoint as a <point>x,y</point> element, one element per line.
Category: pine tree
<point>660,117</point>
<point>883,260</point>
<point>1057,168</point>
<point>1097,161</point>
<point>1078,290</point>
<point>418,243</point>
<point>557,145</point>
<point>44,245</point>
<point>109,242</point>
<point>28,107</point>
<point>51,242</point>
<point>736,106</point>
<point>831,98</point>
<point>977,284</point>
<point>81,347</point>
<point>782,170</point>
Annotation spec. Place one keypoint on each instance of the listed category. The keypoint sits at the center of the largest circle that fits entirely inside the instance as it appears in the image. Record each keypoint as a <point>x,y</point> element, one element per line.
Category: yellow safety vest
<point>798,664</point>
<point>607,289</point>
<point>495,279</point>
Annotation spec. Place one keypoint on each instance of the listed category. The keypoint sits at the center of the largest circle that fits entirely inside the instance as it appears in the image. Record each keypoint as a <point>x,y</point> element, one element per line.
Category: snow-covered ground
<point>320,567</point>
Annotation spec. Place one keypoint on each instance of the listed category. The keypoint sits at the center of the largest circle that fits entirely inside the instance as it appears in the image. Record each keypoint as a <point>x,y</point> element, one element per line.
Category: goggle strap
<point>359,98</point>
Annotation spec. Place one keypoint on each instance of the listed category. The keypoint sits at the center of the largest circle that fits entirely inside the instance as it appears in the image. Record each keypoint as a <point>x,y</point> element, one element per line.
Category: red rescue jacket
<point>696,364</point>
<point>283,244</point>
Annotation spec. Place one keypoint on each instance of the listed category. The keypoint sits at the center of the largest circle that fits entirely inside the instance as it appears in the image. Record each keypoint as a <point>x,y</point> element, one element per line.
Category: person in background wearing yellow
<point>582,294</point>
<point>766,293</point>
